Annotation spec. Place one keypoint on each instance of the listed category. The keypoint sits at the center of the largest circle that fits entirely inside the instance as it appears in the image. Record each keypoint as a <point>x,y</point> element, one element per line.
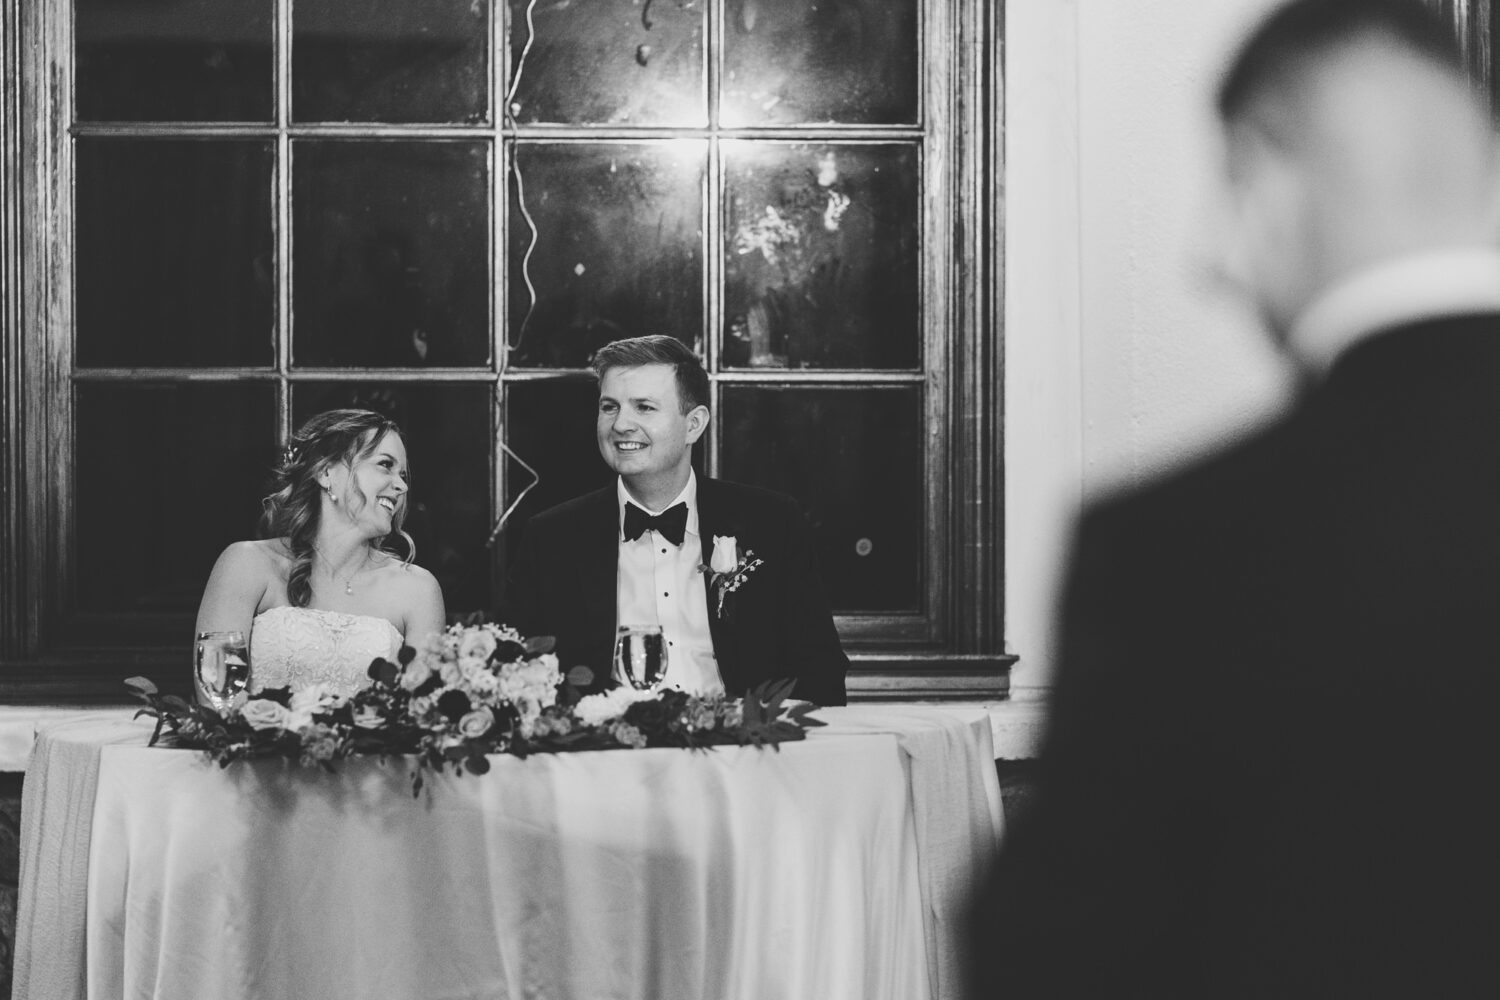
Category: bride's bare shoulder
<point>264,554</point>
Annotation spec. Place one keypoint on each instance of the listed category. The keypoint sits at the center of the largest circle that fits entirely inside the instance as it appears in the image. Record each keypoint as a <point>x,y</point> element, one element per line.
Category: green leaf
<point>142,685</point>
<point>477,764</point>
<point>177,704</point>
<point>538,645</point>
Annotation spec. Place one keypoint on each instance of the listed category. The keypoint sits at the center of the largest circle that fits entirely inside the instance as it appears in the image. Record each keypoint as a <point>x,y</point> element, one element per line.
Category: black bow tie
<point>670,524</point>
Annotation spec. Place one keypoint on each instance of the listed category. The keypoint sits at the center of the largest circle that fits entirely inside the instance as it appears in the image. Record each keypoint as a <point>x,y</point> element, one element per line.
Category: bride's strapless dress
<point>294,647</point>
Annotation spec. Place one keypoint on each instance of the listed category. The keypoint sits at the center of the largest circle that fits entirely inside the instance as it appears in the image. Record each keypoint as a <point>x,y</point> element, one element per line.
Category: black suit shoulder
<point>578,506</point>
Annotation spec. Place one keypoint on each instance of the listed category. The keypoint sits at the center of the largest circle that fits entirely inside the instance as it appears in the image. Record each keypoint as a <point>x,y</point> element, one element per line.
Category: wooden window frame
<point>953,651</point>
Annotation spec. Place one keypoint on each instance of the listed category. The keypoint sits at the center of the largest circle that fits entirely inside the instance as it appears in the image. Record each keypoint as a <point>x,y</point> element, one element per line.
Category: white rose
<point>531,682</point>
<point>416,674</point>
<point>725,557</point>
<point>476,723</point>
<point>477,644</point>
<point>451,672</point>
<point>597,709</point>
<point>263,713</point>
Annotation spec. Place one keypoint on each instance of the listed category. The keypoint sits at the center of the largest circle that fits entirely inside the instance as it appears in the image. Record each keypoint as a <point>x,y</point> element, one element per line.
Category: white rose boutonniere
<point>727,569</point>
<point>726,555</point>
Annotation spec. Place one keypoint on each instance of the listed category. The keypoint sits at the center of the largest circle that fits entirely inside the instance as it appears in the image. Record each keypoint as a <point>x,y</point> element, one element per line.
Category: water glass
<point>221,668</point>
<point>640,655</point>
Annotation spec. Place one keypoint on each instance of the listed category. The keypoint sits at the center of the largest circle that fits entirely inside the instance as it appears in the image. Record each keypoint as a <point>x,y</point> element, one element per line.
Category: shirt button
<point>663,551</point>
<point>665,594</point>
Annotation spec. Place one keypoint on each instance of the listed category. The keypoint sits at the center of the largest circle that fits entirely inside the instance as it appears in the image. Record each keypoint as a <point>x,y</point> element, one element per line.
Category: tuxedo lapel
<point>711,519</point>
<point>598,555</point>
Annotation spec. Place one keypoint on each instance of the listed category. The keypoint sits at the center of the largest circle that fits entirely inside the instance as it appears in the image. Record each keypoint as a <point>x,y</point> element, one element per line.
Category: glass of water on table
<point>221,668</point>
<point>640,656</point>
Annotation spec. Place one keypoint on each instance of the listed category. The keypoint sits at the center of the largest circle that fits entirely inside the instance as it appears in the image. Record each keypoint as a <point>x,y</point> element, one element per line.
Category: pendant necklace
<point>349,581</point>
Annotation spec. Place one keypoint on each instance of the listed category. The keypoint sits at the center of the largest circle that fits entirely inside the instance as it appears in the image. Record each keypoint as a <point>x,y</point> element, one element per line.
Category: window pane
<point>550,425</point>
<point>166,476</point>
<point>860,477</point>
<point>390,60</point>
<point>790,61</point>
<point>390,250</point>
<point>608,62</point>
<point>821,255</point>
<point>175,262</point>
<point>618,247</point>
<point>174,60</point>
<point>448,434</point>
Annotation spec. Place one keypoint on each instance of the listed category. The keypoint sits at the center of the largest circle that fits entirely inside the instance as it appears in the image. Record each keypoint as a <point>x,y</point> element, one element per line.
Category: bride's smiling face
<point>371,488</point>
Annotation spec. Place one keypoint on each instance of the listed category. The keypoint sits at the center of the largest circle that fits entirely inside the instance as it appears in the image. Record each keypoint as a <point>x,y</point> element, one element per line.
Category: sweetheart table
<point>837,867</point>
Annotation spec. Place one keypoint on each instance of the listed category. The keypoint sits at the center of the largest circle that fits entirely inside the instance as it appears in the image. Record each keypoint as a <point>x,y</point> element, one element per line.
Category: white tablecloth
<point>835,868</point>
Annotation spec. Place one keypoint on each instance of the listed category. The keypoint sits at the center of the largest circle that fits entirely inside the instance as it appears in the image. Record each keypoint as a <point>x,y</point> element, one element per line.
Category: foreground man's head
<point>1353,136</point>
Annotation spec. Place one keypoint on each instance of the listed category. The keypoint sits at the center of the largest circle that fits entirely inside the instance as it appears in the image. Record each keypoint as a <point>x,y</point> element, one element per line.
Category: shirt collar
<point>689,496</point>
<point>1403,290</point>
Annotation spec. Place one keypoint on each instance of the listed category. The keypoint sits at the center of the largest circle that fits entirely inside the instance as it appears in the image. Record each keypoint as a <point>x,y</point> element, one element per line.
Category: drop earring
<point>329,490</point>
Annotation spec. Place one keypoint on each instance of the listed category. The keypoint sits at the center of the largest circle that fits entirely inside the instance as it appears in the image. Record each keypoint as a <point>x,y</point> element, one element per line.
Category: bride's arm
<point>233,591</point>
<point>425,613</point>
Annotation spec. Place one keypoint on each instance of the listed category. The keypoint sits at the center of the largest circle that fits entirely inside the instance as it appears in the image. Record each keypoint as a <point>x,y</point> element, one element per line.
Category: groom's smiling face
<point>641,428</point>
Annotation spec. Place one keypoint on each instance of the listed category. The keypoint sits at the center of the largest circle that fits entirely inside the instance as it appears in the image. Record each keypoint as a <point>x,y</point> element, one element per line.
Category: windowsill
<point>1015,725</point>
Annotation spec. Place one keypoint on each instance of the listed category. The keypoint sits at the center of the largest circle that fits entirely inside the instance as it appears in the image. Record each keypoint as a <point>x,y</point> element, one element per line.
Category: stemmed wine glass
<point>641,655</point>
<point>221,668</point>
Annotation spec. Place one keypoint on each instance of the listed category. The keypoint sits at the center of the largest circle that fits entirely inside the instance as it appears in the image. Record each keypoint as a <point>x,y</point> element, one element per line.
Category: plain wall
<point>1122,360</point>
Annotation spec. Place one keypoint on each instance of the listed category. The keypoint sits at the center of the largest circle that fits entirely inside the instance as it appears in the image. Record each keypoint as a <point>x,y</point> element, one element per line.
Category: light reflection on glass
<point>793,62</point>
<point>821,266</point>
<point>617,251</point>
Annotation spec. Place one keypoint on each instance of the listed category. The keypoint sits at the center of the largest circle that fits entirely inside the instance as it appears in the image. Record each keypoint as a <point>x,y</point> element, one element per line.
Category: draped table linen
<point>835,868</point>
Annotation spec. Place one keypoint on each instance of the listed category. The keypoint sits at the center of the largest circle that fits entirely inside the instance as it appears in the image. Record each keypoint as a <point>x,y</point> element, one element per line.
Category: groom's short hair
<point>1299,33</point>
<point>692,380</point>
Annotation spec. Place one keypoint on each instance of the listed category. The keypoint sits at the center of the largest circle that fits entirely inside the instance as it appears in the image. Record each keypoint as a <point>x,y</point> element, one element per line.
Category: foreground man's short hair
<point>1302,31</point>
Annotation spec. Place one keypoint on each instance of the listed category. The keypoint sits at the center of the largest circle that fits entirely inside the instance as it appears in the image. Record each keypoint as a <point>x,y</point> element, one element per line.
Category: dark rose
<point>649,716</point>
<point>454,704</point>
<point>507,651</point>
<point>383,670</point>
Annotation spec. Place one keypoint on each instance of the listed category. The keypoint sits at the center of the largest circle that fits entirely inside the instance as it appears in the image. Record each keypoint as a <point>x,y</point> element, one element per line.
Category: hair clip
<point>289,454</point>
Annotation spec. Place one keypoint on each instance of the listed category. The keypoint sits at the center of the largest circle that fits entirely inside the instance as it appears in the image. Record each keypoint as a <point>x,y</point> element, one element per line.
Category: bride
<point>321,594</point>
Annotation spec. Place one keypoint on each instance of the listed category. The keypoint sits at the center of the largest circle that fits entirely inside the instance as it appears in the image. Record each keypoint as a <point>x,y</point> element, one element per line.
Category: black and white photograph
<point>749,499</point>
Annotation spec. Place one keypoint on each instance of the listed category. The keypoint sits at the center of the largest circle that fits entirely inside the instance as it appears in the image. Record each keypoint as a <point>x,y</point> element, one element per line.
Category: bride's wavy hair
<point>291,511</point>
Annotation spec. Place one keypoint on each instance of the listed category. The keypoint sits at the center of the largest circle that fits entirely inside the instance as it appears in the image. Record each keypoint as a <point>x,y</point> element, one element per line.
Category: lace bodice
<point>298,646</point>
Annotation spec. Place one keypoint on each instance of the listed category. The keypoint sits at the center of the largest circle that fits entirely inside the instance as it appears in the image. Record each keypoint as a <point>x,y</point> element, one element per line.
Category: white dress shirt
<point>658,583</point>
<point>1448,282</point>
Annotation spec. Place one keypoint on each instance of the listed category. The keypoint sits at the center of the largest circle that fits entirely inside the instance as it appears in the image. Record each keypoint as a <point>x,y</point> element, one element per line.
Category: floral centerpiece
<point>473,690</point>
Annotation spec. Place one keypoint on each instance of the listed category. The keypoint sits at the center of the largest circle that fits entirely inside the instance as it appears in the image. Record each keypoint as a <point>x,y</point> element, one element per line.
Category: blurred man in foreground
<point>1270,765</point>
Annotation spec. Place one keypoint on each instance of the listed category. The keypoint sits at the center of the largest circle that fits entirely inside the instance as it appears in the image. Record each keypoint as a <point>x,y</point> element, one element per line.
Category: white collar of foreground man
<point>689,496</point>
<point>1452,281</point>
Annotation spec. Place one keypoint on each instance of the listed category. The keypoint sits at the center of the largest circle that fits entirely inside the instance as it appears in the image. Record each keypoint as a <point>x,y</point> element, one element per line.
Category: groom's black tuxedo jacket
<point>1273,752</point>
<point>563,583</point>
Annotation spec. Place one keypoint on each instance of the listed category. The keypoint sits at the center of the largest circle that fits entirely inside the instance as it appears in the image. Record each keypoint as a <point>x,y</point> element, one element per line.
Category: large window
<point>240,212</point>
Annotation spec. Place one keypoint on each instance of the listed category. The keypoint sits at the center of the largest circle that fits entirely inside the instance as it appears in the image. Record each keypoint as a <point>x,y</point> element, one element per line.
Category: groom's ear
<point>697,421</point>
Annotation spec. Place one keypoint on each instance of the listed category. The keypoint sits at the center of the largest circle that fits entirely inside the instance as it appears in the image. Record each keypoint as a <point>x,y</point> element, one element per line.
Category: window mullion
<point>283,203</point>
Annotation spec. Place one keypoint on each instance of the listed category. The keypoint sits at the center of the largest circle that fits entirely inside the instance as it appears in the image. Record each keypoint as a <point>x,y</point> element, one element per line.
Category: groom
<point>727,571</point>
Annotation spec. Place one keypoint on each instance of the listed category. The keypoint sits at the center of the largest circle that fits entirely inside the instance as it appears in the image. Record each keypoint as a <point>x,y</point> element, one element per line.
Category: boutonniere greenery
<point>727,570</point>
